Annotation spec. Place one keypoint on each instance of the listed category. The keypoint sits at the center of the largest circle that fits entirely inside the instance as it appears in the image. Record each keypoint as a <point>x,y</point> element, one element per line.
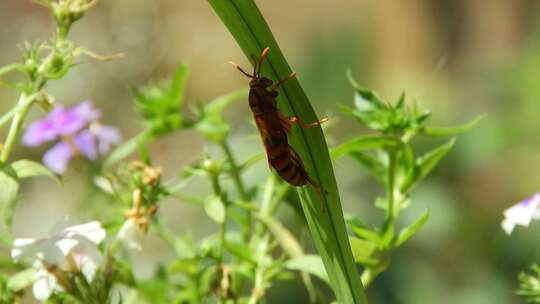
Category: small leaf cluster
<point>389,156</point>
<point>529,284</point>
<point>160,103</point>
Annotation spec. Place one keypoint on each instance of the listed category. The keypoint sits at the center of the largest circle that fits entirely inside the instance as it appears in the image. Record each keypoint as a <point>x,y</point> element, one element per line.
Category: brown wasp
<point>274,127</point>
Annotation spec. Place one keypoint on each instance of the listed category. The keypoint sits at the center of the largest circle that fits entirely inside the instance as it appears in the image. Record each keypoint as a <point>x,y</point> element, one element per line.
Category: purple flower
<point>106,137</point>
<point>78,131</point>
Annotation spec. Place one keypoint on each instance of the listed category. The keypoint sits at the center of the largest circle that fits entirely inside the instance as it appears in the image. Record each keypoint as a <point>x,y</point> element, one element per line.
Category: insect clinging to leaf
<point>274,127</point>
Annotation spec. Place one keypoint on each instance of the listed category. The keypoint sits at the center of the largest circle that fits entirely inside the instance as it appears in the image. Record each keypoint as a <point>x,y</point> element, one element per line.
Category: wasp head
<point>260,82</point>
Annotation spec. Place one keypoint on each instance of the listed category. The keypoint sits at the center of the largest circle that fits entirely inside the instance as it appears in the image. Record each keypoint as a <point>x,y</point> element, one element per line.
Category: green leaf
<point>215,208</point>
<point>362,143</point>
<point>9,187</point>
<point>425,164</point>
<point>451,131</point>
<point>247,25</point>
<point>126,148</point>
<point>241,251</point>
<point>211,124</point>
<point>366,234</point>
<point>371,163</point>
<point>26,168</point>
<point>311,264</point>
<point>21,280</point>
<point>406,233</point>
<point>187,266</point>
<point>160,103</point>
<point>178,85</point>
<point>363,251</point>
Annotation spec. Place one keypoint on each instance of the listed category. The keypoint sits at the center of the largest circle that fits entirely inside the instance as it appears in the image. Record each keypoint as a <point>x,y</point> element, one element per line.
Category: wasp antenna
<point>261,59</point>
<point>240,69</point>
<point>265,51</point>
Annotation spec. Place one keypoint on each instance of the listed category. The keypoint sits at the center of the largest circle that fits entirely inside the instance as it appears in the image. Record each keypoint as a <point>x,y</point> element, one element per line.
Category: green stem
<point>16,126</point>
<point>7,116</point>
<point>216,187</point>
<point>240,187</point>
<point>390,185</point>
<point>235,171</point>
<point>8,68</point>
<point>260,272</point>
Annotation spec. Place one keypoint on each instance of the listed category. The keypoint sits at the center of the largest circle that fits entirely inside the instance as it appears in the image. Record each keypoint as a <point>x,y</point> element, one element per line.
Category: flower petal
<point>44,285</point>
<point>40,249</point>
<point>87,259</point>
<point>57,157</point>
<point>86,144</point>
<point>131,235</point>
<point>86,111</point>
<point>66,122</point>
<point>39,132</point>
<point>106,136</point>
<point>521,214</point>
<point>18,245</point>
<point>91,231</point>
<point>66,245</point>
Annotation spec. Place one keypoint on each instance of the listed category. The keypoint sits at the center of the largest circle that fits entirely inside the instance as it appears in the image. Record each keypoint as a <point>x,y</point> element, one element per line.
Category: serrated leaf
<point>363,251</point>
<point>425,164</point>
<point>362,143</point>
<point>21,280</point>
<point>406,233</point>
<point>25,168</point>
<point>215,208</point>
<point>309,263</point>
<point>9,187</point>
<point>451,131</point>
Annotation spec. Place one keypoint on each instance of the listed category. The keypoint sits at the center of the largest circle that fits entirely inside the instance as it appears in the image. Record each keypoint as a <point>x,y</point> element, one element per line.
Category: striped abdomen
<point>285,161</point>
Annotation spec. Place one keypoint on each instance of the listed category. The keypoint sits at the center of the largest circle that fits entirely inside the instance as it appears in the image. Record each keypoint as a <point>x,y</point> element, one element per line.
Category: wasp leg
<point>282,81</point>
<point>295,119</point>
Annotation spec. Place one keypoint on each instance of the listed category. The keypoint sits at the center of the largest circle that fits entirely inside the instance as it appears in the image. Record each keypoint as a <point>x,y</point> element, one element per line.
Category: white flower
<point>131,235</point>
<point>73,249</point>
<point>522,213</point>
<point>45,283</point>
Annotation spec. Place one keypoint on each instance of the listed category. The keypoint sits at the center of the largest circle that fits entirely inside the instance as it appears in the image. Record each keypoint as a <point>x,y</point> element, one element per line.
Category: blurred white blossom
<point>74,249</point>
<point>522,213</point>
<point>131,234</point>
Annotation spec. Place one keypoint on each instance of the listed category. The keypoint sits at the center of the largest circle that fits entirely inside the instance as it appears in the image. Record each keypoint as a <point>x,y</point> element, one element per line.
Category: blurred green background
<point>458,58</point>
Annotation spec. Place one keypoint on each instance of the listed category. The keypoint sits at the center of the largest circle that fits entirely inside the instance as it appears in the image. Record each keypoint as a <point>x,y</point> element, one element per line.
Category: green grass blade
<point>247,25</point>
